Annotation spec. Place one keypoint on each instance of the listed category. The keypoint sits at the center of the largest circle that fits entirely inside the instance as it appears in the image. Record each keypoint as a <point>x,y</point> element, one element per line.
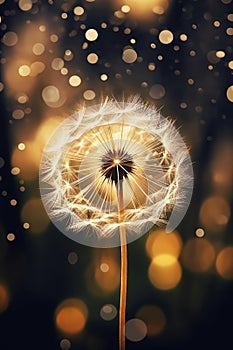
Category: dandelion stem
<point>123,286</point>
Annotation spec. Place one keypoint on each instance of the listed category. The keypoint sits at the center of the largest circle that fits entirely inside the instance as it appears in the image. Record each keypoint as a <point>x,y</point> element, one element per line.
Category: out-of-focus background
<point>57,56</point>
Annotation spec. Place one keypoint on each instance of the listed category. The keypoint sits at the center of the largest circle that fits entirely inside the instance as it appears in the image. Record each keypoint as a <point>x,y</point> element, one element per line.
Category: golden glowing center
<point>141,163</point>
<point>116,161</point>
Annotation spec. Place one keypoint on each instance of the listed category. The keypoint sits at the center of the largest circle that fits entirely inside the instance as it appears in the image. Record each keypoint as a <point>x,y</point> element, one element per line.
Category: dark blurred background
<point>57,56</point>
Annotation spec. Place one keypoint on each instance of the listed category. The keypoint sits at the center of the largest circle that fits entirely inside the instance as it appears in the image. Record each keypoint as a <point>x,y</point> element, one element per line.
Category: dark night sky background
<point>190,79</point>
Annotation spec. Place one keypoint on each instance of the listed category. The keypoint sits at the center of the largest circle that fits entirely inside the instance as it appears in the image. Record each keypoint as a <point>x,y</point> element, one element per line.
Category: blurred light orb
<point>71,316</point>
<point>75,80</point>
<point>165,272</point>
<point>78,10</point>
<point>72,258</point>
<point>10,38</point>
<point>25,5</point>
<point>89,95</point>
<point>229,93</point>
<point>91,34</point>
<point>160,243</point>
<point>129,55</point>
<point>154,319</point>
<point>108,312</point>
<point>24,70</point>
<point>104,77</point>
<point>57,63</point>
<point>38,49</point>
<point>135,330</point>
<point>92,58</point>
<point>10,237</point>
<point>166,36</point>
<point>224,263</point>
<point>198,255</point>
<point>37,68</point>
<point>200,232</point>
<point>157,91</point>
<point>214,214</point>
<point>52,96</point>
<point>65,344</point>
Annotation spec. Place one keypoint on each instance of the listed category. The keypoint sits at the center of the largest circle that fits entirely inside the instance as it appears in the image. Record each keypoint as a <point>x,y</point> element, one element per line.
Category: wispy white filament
<point>82,201</point>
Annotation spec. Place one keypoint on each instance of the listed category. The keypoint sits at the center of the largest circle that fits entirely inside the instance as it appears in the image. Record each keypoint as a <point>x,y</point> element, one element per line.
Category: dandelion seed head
<point>102,146</point>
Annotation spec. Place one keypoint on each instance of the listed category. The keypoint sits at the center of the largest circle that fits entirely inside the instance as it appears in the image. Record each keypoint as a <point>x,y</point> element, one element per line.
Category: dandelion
<point>110,173</point>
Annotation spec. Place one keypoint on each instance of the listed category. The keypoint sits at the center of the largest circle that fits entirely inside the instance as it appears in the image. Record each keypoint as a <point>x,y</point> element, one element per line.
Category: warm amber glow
<point>214,214</point>
<point>165,276</point>
<point>154,319</point>
<point>224,263</point>
<point>198,255</point>
<point>4,298</point>
<point>160,242</point>
<point>71,316</point>
<point>107,275</point>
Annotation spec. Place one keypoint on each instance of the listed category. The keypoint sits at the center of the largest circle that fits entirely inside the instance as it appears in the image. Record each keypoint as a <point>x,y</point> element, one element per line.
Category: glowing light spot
<point>157,91</point>
<point>75,80</point>
<point>154,319</point>
<point>104,77</point>
<point>54,38</point>
<point>220,54</point>
<point>230,17</point>
<point>10,38</point>
<point>24,70</point>
<point>92,58</point>
<point>230,93</point>
<point>64,15</point>
<point>151,66</point>
<point>104,267</point>
<point>71,316</point>
<point>78,11</point>
<point>224,263</point>
<point>135,330</point>
<point>37,68</point>
<point>13,202</point>
<point>214,214</point>
<point>165,276</point>
<point>33,211</point>
<point>22,99</point>
<point>230,64</point>
<point>108,312</point>
<point>183,37</point>
<point>38,49</point>
<point>129,55</point>
<point>52,97</point>
<point>4,298</point>
<point>26,225</point>
<point>89,95</point>
<point>68,56</point>
<point>2,162</point>
<point>57,63</point>
<point>64,71</point>
<point>10,237</point>
<point>21,146</point>
<point>198,255</point>
<point>166,36</point>
<point>217,24</point>
<point>25,5</point>
<point>42,28</point>
<point>125,9</point>
<point>161,243</point>
<point>91,34</point>
<point>164,260</point>
<point>18,114</point>
<point>200,232</point>
<point>15,171</point>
